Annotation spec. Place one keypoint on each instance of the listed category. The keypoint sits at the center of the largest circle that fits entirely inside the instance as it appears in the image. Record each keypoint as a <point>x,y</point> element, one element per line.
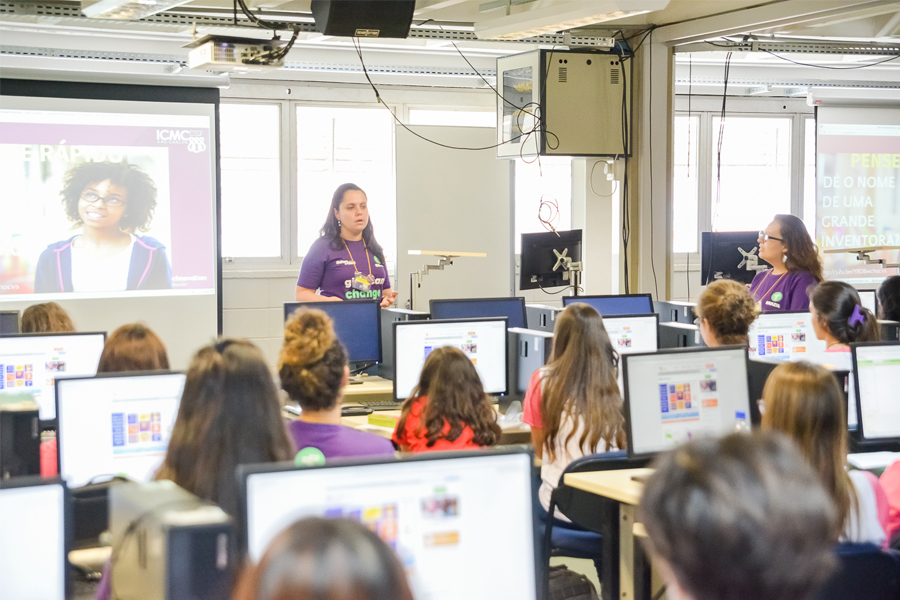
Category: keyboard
<point>379,404</point>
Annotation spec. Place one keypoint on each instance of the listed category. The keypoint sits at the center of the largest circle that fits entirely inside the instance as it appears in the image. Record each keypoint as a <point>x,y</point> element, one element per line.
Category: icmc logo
<point>193,138</point>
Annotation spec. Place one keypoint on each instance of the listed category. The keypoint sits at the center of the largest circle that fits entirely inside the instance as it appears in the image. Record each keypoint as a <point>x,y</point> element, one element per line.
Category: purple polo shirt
<point>331,271</point>
<point>335,441</point>
<point>791,292</point>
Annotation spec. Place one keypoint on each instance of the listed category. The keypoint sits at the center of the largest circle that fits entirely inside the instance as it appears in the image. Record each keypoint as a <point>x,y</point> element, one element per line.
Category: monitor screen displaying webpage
<point>631,335</point>
<point>877,373</point>
<point>32,543</point>
<point>462,527</point>
<point>675,396</point>
<point>785,336</point>
<point>116,425</point>
<point>484,341</point>
<point>32,364</point>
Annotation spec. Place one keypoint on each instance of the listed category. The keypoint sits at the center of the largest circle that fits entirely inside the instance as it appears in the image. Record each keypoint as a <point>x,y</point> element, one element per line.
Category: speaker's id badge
<point>362,282</point>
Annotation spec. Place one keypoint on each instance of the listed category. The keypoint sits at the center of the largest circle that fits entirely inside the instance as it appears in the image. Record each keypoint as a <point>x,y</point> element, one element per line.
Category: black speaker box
<point>364,18</point>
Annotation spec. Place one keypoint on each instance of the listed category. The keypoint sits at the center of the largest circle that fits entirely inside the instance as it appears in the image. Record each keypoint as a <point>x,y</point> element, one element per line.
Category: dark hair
<point>835,302</point>
<point>312,360</point>
<point>802,254</point>
<point>729,311</point>
<point>455,396</point>
<point>740,518</point>
<point>580,382</point>
<point>889,298</point>
<point>48,317</point>
<point>332,230</point>
<point>325,559</point>
<point>229,416</point>
<point>141,199</point>
<point>133,348</point>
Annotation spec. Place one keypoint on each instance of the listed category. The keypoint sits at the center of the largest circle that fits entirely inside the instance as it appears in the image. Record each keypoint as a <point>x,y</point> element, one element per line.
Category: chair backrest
<point>865,571</point>
<point>604,461</point>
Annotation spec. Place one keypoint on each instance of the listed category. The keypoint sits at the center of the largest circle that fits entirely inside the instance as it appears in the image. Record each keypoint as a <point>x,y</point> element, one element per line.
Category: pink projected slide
<point>100,205</point>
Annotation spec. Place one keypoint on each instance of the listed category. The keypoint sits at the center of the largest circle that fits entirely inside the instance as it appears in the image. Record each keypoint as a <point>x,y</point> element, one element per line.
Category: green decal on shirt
<point>777,296</point>
<point>309,457</point>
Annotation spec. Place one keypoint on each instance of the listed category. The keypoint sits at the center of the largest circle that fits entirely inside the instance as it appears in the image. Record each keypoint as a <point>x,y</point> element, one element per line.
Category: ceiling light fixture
<point>568,14</point>
<point>126,10</point>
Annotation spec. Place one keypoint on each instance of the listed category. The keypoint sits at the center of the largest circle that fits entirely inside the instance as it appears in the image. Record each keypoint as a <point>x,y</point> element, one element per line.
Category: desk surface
<point>371,386</point>
<point>617,485</point>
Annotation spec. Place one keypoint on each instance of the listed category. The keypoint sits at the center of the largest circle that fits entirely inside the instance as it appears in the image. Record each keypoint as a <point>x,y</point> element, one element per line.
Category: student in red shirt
<point>448,409</point>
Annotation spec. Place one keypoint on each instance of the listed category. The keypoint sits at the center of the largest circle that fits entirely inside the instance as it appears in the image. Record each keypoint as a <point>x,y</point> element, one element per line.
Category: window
<point>686,189</point>
<point>755,172</point>
<point>251,180</point>
<point>549,181</point>
<point>345,145</point>
<point>809,176</point>
<point>458,118</point>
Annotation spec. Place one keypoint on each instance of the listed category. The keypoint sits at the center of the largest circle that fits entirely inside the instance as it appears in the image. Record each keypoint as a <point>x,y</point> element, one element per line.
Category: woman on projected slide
<point>109,201</point>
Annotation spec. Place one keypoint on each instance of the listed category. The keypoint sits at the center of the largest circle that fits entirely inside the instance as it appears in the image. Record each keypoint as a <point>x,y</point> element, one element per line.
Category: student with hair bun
<point>726,311</point>
<point>313,370</point>
<point>839,318</point>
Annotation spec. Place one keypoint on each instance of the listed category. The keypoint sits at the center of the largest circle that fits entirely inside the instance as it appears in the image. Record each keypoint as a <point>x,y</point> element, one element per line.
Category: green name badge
<point>777,296</point>
<point>309,457</point>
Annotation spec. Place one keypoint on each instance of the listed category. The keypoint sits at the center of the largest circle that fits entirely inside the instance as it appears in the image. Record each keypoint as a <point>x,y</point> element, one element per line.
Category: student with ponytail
<point>313,369</point>
<point>726,311</point>
<point>839,318</point>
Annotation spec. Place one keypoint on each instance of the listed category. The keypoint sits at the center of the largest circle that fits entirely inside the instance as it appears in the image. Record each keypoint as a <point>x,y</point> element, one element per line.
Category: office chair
<point>866,572</point>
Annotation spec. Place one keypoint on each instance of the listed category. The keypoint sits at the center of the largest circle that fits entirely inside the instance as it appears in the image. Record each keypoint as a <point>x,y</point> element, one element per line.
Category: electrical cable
<point>659,593</point>
<point>650,151</point>
<point>687,275</point>
<point>832,67</point>
<point>591,180</point>
<point>626,217</point>
<point>718,163</point>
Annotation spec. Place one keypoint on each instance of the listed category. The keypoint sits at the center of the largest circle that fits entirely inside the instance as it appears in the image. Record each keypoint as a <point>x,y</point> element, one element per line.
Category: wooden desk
<point>372,387</point>
<point>619,486</point>
<point>511,435</point>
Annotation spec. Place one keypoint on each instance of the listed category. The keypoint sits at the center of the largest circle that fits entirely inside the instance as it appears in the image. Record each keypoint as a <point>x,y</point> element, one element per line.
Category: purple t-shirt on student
<point>331,271</point>
<point>779,293</point>
<point>336,441</point>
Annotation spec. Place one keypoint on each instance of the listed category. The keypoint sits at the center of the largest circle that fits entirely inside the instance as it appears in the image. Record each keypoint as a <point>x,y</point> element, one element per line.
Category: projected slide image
<point>105,204</point>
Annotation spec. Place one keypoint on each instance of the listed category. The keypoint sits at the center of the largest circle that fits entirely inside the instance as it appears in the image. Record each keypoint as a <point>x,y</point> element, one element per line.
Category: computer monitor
<point>631,334</point>
<point>485,341</point>
<point>9,322</point>
<point>477,308</point>
<point>673,396</point>
<point>357,323</point>
<point>620,304</point>
<point>31,363</point>
<point>35,538</point>
<point>869,300</point>
<point>542,258</point>
<point>730,255</point>
<point>115,424</point>
<point>785,336</point>
<point>876,371</point>
<point>461,524</point>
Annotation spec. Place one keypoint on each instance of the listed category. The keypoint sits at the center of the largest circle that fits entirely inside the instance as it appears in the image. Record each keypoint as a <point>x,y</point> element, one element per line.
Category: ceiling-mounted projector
<point>234,54</point>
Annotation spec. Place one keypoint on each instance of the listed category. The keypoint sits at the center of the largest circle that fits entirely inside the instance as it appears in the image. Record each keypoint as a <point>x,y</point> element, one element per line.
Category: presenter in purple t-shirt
<point>786,245</point>
<point>346,262</point>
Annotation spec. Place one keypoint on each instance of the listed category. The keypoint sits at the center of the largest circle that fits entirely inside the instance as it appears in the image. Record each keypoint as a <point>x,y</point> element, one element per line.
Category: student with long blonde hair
<point>805,402</point>
<point>573,404</point>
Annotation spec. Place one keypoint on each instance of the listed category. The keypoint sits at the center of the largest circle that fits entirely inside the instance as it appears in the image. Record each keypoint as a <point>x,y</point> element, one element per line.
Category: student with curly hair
<point>726,311</point>
<point>313,369</point>
<point>48,317</point>
<point>448,409</point>
<point>109,202</point>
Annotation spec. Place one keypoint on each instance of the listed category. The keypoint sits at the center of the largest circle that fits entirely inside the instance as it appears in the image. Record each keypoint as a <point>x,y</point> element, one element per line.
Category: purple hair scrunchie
<point>856,317</point>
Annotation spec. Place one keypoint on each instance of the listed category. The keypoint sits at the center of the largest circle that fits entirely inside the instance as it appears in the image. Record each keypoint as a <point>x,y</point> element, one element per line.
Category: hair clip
<point>856,317</point>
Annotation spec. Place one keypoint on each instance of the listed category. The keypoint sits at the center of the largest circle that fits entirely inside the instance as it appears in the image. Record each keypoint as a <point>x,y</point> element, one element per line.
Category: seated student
<point>839,318</point>
<point>726,310</point>
<point>229,416</point>
<point>742,518</point>
<point>448,409</point>
<point>888,295</point>
<point>890,481</point>
<point>48,317</point>
<point>313,370</point>
<point>133,348</point>
<point>314,558</point>
<point>573,404</point>
<point>805,402</point>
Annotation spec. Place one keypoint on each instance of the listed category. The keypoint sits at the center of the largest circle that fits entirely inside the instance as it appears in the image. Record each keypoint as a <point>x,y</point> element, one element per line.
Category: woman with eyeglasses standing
<point>110,202</point>
<point>796,267</point>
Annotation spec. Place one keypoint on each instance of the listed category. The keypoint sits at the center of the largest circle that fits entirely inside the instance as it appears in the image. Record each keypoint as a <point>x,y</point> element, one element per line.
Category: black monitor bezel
<point>244,472</point>
<point>68,523</point>
<point>395,324</point>
<point>707,242</point>
<point>330,304</point>
<point>626,407</point>
<point>119,375</point>
<point>18,322</point>
<point>521,300</point>
<point>638,316</point>
<point>565,238</point>
<point>567,300</point>
<point>860,427</point>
